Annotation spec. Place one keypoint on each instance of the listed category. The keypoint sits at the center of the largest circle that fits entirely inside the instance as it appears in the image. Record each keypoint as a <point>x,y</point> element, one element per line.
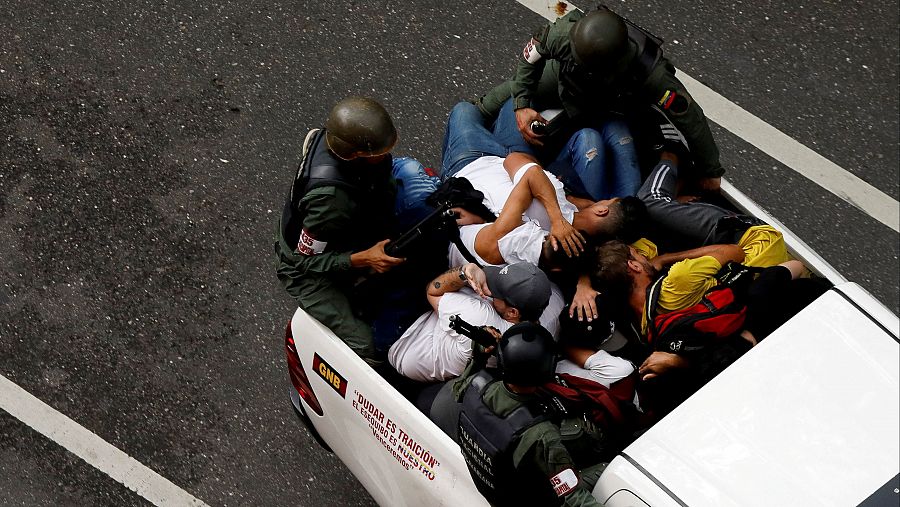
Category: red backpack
<point>610,407</point>
<point>720,313</point>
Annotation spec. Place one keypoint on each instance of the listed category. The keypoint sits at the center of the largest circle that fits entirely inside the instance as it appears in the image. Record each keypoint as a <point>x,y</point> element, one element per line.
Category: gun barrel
<point>397,247</point>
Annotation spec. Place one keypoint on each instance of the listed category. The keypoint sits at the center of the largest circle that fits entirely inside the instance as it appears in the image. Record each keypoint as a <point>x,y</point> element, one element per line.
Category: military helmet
<point>527,355</point>
<point>359,127</point>
<point>600,39</point>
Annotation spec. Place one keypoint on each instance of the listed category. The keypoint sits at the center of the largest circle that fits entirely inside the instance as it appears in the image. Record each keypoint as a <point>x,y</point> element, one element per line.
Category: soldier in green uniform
<point>507,430</point>
<point>595,65</point>
<point>337,219</point>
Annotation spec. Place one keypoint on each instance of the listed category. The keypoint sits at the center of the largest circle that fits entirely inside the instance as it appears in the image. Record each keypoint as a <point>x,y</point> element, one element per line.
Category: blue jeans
<point>414,184</point>
<point>467,139</point>
<point>596,163</point>
<point>599,164</point>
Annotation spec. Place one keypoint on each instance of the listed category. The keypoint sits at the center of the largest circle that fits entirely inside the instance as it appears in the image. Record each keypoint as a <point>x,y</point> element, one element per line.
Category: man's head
<point>600,41</point>
<point>359,127</point>
<point>621,217</point>
<point>618,267</point>
<point>558,261</point>
<point>520,291</point>
<point>598,333</point>
<point>527,355</point>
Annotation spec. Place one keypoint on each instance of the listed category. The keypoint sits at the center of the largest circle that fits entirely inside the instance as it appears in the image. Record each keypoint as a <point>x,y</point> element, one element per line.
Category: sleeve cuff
<point>522,102</point>
<point>342,262</point>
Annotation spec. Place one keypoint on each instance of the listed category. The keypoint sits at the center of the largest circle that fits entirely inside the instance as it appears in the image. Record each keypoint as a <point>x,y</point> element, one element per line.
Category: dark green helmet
<point>359,127</point>
<point>527,355</point>
<point>600,40</point>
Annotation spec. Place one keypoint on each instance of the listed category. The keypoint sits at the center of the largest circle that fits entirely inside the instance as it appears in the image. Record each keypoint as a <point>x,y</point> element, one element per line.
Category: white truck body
<point>808,417</point>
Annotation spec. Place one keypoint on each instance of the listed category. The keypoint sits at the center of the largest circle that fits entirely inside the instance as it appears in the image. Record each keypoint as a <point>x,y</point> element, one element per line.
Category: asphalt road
<point>145,148</point>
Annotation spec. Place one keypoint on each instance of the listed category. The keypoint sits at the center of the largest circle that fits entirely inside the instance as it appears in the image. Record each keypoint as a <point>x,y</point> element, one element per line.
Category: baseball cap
<point>522,285</point>
<point>598,334</point>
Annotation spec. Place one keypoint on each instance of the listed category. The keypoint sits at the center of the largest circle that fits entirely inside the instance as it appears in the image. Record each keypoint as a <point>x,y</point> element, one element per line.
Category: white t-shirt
<point>429,351</point>
<point>601,367</point>
<point>488,175</point>
<point>524,242</point>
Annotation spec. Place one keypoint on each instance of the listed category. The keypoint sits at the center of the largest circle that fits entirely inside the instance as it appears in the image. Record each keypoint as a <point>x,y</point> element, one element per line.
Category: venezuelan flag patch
<point>667,99</point>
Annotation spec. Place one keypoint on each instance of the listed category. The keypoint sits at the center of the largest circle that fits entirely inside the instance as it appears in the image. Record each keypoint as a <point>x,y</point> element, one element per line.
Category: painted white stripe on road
<point>796,156</point>
<point>773,142</point>
<point>91,448</point>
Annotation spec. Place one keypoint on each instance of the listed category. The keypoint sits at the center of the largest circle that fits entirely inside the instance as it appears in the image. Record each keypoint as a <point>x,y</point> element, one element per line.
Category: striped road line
<point>771,141</point>
<point>85,444</point>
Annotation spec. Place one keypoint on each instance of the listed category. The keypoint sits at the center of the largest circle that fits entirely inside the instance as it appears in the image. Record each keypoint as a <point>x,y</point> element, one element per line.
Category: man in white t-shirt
<point>430,351</point>
<point>536,218</point>
<point>472,151</point>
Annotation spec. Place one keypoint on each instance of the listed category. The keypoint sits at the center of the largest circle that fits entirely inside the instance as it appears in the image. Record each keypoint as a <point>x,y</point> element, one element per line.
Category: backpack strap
<point>653,294</point>
<point>456,240</point>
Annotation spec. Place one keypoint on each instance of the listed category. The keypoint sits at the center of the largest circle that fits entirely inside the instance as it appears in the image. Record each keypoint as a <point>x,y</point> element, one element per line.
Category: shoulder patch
<point>564,482</point>
<point>530,52</point>
<point>308,245</point>
<point>673,102</point>
<point>667,98</point>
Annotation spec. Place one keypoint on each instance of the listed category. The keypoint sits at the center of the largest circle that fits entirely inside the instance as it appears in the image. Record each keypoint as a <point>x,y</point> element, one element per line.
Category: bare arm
<point>455,279</point>
<point>486,242</point>
<point>722,253</point>
<point>539,185</point>
<point>578,355</point>
<point>540,188</point>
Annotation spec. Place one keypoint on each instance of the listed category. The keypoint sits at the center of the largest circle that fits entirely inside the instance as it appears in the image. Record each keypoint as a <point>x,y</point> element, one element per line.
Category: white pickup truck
<point>811,416</point>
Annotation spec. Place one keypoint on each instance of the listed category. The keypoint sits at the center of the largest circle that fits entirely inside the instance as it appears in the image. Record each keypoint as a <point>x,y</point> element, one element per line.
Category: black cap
<point>598,334</point>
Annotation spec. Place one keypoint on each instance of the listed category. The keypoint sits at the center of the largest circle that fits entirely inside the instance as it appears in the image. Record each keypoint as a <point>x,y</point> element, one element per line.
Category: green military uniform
<point>540,451</point>
<point>330,222</point>
<point>548,77</point>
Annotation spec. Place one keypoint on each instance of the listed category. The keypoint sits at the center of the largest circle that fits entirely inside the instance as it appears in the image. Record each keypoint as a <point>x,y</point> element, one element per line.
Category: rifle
<point>477,334</point>
<point>440,217</point>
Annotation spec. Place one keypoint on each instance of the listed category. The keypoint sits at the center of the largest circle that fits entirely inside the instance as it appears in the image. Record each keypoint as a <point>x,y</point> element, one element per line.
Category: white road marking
<point>771,141</point>
<point>91,448</point>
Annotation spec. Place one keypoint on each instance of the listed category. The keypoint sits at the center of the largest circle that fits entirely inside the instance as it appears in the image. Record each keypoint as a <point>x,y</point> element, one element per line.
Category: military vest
<point>488,441</point>
<point>319,168</point>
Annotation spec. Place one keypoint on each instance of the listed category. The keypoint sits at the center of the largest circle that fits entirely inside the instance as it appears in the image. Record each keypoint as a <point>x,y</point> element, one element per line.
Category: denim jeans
<point>467,139</point>
<point>414,184</point>
<point>595,163</point>
<point>599,164</point>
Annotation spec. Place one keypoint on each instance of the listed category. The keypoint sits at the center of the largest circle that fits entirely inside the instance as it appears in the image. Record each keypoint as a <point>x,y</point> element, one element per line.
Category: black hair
<point>630,219</point>
<point>531,315</point>
<point>558,259</point>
